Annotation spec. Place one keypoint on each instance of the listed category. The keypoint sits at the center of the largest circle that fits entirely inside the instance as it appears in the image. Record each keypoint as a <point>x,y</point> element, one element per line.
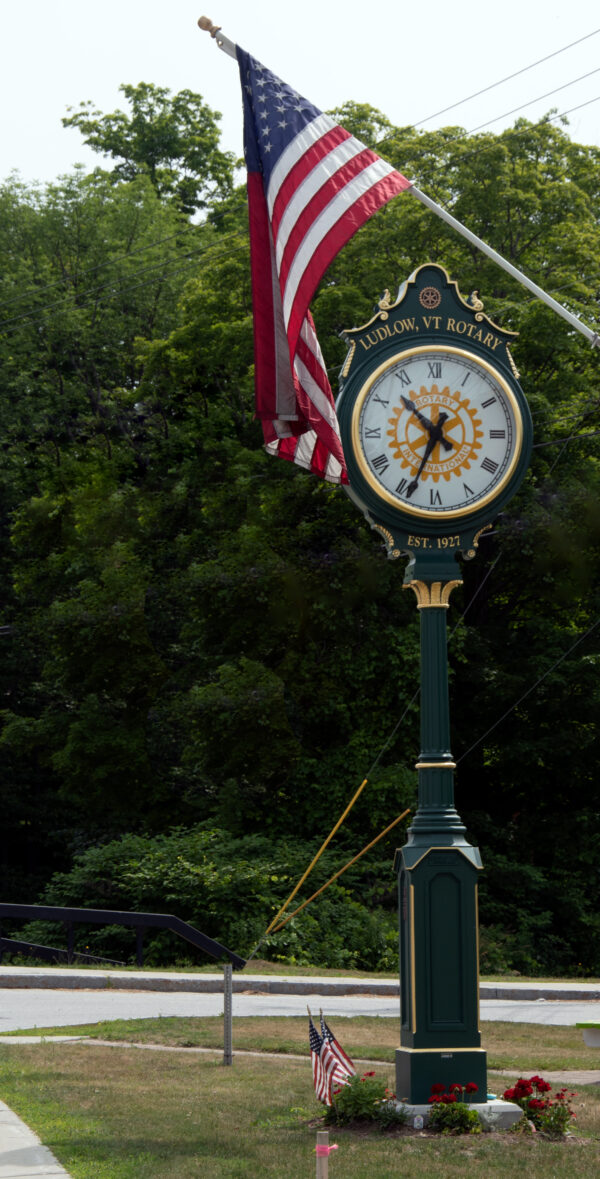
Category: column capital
<point>432,594</point>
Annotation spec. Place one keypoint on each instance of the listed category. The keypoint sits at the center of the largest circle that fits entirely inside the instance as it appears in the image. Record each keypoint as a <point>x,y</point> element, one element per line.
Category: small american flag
<point>311,185</point>
<point>327,1070</point>
<point>342,1058</point>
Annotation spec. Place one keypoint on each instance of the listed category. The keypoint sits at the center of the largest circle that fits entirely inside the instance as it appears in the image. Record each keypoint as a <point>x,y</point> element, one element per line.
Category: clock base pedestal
<point>418,1069</point>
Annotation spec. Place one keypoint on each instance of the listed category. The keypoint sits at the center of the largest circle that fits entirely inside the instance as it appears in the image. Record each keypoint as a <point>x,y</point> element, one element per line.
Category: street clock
<point>435,427</point>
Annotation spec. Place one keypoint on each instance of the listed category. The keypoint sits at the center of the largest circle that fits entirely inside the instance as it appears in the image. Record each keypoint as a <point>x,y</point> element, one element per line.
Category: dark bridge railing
<point>138,921</point>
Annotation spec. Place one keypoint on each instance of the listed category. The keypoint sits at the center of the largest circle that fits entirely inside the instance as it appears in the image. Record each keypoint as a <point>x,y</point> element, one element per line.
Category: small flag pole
<point>228,47</point>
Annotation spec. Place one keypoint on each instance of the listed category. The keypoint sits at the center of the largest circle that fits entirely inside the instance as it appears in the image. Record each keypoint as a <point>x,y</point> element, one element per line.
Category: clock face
<point>437,432</point>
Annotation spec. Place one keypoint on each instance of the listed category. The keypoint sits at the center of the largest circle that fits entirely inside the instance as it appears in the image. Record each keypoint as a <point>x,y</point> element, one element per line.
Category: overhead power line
<point>91,270</point>
<point>531,101</point>
<point>508,78</point>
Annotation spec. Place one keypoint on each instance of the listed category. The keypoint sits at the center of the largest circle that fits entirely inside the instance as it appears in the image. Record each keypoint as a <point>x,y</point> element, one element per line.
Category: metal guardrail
<point>138,921</point>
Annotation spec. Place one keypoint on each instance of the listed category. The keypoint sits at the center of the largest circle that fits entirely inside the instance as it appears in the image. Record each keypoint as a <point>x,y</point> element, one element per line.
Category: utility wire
<point>508,78</point>
<point>115,283</point>
<point>532,100</point>
<point>539,681</point>
<point>91,270</point>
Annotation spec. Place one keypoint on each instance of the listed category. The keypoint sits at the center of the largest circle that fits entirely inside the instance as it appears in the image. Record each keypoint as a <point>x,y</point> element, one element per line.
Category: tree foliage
<point>203,636</point>
<point>173,140</point>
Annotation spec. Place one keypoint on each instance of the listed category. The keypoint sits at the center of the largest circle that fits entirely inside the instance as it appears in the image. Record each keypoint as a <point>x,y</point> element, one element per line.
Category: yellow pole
<point>341,871</point>
<point>318,855</point>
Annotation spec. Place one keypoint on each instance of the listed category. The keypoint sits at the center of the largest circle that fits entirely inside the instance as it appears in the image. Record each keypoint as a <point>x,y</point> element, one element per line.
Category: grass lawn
<point>518,1046</point>
<point>122,1113</point>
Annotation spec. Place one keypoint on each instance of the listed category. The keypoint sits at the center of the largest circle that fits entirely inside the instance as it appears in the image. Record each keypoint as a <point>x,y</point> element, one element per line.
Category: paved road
<point>30,1008</point>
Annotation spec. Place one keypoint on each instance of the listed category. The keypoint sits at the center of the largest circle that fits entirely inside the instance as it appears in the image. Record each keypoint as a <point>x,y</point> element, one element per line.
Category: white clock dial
<point>437,431</point>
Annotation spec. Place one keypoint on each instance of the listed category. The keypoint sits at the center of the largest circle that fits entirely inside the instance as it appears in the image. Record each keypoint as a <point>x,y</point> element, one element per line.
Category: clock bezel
<point>434,516</point>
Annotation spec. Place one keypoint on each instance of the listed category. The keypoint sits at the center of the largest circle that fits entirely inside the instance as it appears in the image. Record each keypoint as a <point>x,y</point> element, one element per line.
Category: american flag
<point>327,1070</point>
<point>342,1058</point>
<point>311,185</point>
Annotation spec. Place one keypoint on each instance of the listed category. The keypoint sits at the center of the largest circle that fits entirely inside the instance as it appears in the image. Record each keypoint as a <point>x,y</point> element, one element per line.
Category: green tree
<point>172,139</point>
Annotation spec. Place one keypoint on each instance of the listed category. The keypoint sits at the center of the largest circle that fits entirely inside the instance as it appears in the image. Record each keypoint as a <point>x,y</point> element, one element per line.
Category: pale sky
<point>409,60</point>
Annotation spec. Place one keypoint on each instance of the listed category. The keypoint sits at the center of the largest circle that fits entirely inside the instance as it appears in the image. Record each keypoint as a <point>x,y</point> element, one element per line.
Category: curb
<point>72,979</point>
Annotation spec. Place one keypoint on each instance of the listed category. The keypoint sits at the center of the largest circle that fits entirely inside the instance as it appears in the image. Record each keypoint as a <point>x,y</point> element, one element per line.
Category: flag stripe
<point>302,168</point>
<point>306,189</point>
<point>344,209</point>
<point>321,200</point>
<point>301,145</point>
<point>331,244</point>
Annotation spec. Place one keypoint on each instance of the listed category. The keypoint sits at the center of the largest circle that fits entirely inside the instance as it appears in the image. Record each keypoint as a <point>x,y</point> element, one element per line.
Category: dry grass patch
<point>110,1113</point>
<point>521,1046</point>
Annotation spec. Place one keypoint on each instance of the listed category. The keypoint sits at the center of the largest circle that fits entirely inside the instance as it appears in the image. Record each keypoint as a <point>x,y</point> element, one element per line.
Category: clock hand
<point>412,487</point>
<point>446,443</point>
<point>435,436</point>
<point>429,426</point>
<point>421,417</point>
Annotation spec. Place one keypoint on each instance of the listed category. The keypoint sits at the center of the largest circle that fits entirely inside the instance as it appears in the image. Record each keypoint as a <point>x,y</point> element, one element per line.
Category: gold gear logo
<point>409,437</point>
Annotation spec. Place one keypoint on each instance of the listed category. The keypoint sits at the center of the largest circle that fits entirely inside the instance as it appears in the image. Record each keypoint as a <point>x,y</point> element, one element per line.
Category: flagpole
<point>593,337</point>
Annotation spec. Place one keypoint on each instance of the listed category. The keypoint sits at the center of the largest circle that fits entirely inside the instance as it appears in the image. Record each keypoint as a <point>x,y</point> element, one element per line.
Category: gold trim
<point>515,371</point>
<point>349,358</point>
<point>435,765</point>
<point>442,847</point>
<point>413,981</point>
<point>441,1049</point>
<point>432,594</point>
<point>366,472</point>
<point>388,538</point>
<point>477,952</point>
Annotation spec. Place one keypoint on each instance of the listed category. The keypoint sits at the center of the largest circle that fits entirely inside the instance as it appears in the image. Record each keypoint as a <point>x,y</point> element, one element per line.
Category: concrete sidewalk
<point>21,1152</point>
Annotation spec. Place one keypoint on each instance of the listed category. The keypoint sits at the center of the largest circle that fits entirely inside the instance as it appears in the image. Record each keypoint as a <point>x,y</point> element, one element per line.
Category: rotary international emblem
<point>412,426</point>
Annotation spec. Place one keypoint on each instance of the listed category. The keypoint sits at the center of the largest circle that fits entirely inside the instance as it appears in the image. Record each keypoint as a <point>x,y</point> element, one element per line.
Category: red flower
<point>455,1085</point>
<point>471,1087</point>
<point>448,1098</point>
<point>371,1074</point>
<point>436,1100</point>
<point>437,1088</point>
<point>509,1094</point>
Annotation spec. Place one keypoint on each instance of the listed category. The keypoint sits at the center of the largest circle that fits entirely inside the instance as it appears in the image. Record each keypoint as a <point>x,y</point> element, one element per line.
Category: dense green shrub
<point>229,888</point>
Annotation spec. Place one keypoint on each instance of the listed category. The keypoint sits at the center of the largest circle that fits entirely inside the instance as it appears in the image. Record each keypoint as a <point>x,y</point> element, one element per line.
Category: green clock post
<point>437,436</point>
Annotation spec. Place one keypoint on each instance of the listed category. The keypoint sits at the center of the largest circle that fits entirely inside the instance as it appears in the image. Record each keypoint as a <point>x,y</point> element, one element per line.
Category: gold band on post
<point>435,765</point>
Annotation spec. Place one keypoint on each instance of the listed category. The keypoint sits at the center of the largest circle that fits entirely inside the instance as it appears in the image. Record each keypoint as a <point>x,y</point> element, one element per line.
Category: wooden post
<point>227,1014</point>
<point>323,1159</point>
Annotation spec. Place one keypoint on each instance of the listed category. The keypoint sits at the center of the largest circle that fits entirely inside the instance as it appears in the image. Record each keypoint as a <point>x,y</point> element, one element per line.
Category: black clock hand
<point>429,426</point>
<point>412,487</point>
<point>435,436</point>
<point>421,417</point>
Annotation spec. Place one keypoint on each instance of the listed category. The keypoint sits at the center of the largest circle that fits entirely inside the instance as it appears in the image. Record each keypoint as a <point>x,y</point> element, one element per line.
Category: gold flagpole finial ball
<point>204,22</point>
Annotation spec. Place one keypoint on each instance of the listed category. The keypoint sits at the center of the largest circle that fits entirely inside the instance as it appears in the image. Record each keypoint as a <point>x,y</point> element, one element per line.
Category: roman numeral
<point>401,486</point>
<point>490,466</point>
<point>373,432</point>
<point>380,400</point>
<point>497,433</point>
<point>434,369</point>
<point>381,463</point>
<point>486,404</point>
<point>467,375</point>
<point>468,490</point>
<point>403,377</point>
<point>434,498</point>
